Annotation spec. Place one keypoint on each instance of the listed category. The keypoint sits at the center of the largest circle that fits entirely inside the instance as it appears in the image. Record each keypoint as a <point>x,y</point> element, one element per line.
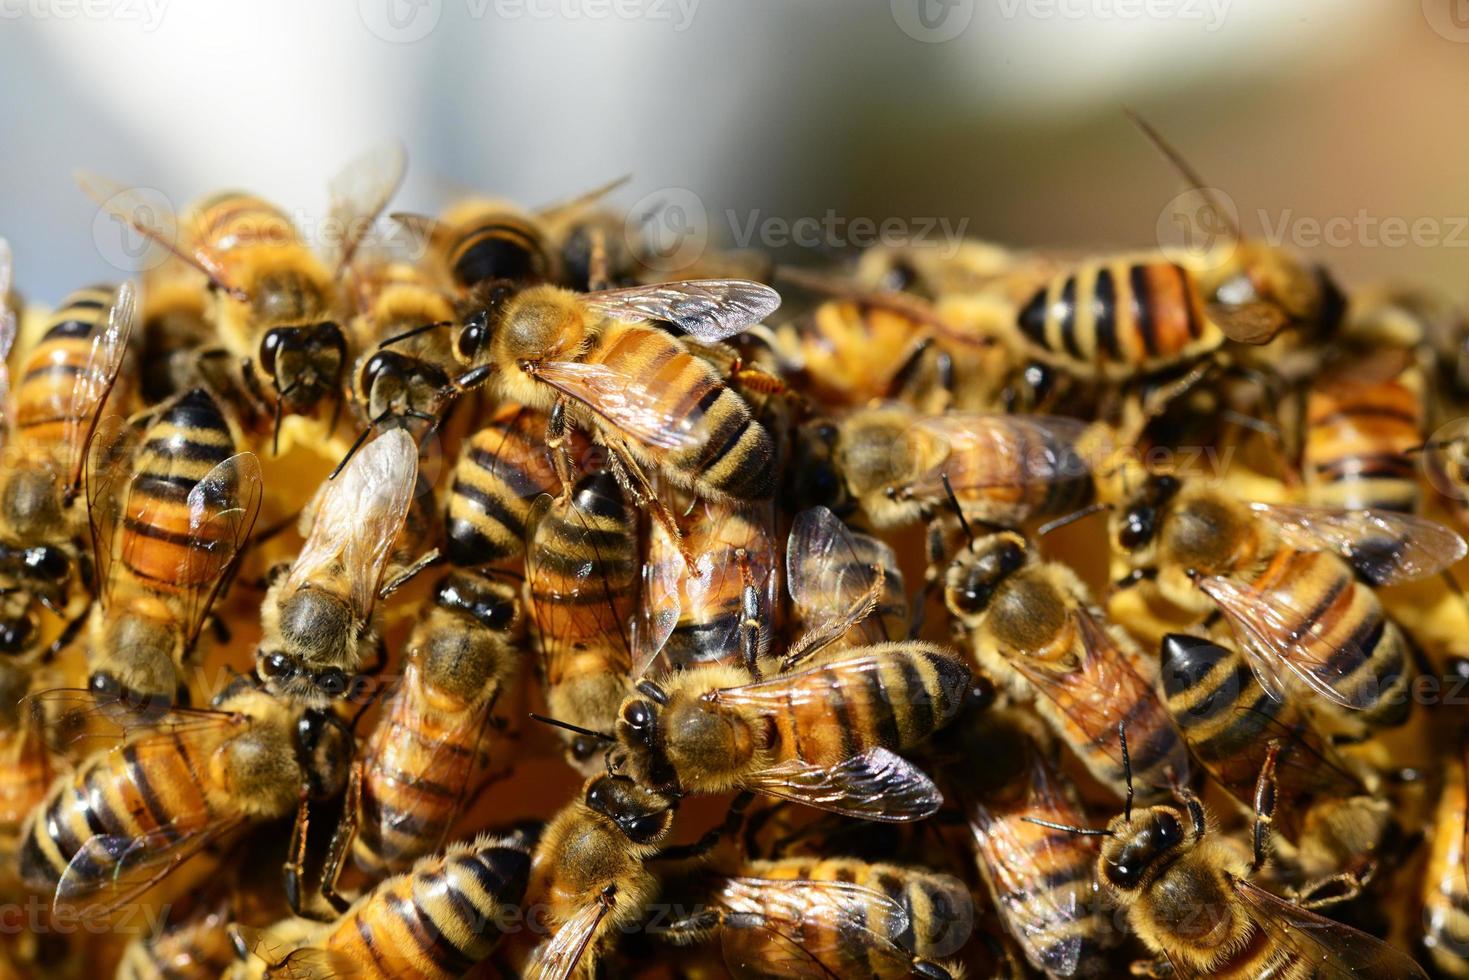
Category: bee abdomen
<point>1359,442</point>
<point>49,376</point>
<point>500,473</point>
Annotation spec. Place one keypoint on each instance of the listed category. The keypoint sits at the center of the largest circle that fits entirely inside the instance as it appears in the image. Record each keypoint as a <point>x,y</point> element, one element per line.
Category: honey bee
<point>1190,899</point>
<point>824,733</point>
<point>1327,814</point>
<point>168,519</point>
<point>1042,882</point>
<point>594,362</point>
<point>27,763</point>
<point>1446,879</point>
<point>590,872</point>
<point>275,301</point>
<point>501,471</point>
<point>717,610</point>
<point>131,814</point>
<point>582,571</point>
<point>901,466</point>
<point>195,947</point>
<point>434,922</point>
<point>416,769</point>
<point>837,574</point>
<point>318,621</point>
<point>1031,626</point>
<point>801,917</point>
<point>1285,577</point>
<point>479,241</point>
<point>64,384</point>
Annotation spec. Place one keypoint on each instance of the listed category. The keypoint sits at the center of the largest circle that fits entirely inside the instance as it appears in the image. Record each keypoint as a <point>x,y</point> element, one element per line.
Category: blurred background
<point>1336,127</point>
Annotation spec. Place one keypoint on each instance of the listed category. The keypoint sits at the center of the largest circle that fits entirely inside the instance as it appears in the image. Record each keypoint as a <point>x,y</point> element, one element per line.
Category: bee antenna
<point>1177,161</point>
<point>1126,768</point>
<point>1080,831</point>
<point>414,332</point>
<point>1072,518</point>
<point>558,723</point>
<point>958,510</point>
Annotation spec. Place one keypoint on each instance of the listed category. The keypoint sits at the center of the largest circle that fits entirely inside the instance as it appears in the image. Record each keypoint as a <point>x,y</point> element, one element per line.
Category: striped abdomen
<point>501,471</point>
<point>852,353</point>
<point>1043,881</point>
<point>196,948</point>
<point>938,910</point>
<point>416,770</point>
<point>1120,318</point>
<point>1340,622</point>
<point>440,919</point>
<point>26,772</point>
<point>1360,436</point>
<point>897,696</point>
<point>233,220</point>
<point>44,388</point>
<point>137,789</point>
<point>1445,887</point>
<point>995,470</point>
<point>486,242</point>
<point>731,454</point>
<point>185,440</point>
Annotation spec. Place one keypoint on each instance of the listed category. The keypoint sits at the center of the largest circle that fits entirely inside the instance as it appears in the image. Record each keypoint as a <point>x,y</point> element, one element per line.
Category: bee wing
<point>8,328</point>
<point>1248,323</point>
<point>422,230</point>
<point>1105,690</point>
<point>92,386</point>
<point>576,604</point>
<point>108,872</point>
<point>360,192</point>
<point>1013,862</point>
<point>803,928</point>
<point>836,578</point>
<point>222,508</point>
<point>359,515</point>
<point>557,957</point>
<point>876,785</point>
<point>139,212</point>
<point>1276,637</point>
<point>1384,546</point>
<point>628,404</point>
<point>107,469</point>
<point>77,715</point>
<point>736,526</point>
<point>1025,450</point>
<point>706,309</point>
<point>1332,949</point>
<point>664,577</point>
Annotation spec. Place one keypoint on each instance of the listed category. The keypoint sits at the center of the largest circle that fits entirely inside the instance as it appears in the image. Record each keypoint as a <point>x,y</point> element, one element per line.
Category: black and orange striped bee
<point>197,946</point>
<point>417,768</point>
<point>51,417</point>
<point>1032,627</point>
<point>479,241</point>
<point>796,917</point>
<point>594,362</point>
<point>501,471</point>
<point>318,619</point>
<point>434,922</point>
<point>171,507</point>
<point>1286,578</point>
<point>582,570</point>
<point>275,302</point>
<point>1446,876</point>
<point>131,814</point>
<point>28,763</point>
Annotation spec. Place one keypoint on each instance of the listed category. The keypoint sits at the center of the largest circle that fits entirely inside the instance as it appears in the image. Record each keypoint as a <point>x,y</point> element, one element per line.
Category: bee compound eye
<point>332,682</point>
<point>270,347</point>
<point>276,666</point>
<point>638,715</point>
<point>104,685</point>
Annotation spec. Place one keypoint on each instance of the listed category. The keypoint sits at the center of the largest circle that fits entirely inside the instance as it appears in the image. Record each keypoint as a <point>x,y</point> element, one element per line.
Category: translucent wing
<point>734,551</point>
<point>706,309</point>
<point>837,579</point>
<point>1332,950</point>
<point>1277,638</point>
<point>1384,546</point>
<point>222,509</point>
<point>92,386</point>
<point>1102,691</point>
<point>422,230</point>
<point>664,574</point>
<point>360,192</point>
<point>985,452</point>
<point>77,716</point>
<point>108,872</point>
<point>557,957</point>
<point>629,405</point>
<point>1248,323</point>
<point>358,516</point>
<point>876,785</point>
<point>108,465</point>
<point>8,328</point>
<point>804,928</point>
<point>141,213</point>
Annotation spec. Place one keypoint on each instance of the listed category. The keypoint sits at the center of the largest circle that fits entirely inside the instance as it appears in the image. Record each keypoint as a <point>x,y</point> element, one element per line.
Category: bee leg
<point>1153,969</point>
<point>67,635</point>
<point>342,839</point>
<point>556,442</point>
<point>296,861</point>
<point>750,634</point>
<point>1347,885</point>
<point>599,269</point>
<point>425,561</point>
<point>727,828</point>
<point>1264,807</point>
<point>625,467</point>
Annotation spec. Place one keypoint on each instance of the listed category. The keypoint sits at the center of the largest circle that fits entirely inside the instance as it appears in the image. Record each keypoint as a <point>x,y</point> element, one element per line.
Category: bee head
<point>305,360</point>
<point>975,575</point>
<point>324,749</point>
<point>1140,846</point>
<point>484,312</point>
<point>1137,523</point>
<point>640,738</point>
<point>643,816</point>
